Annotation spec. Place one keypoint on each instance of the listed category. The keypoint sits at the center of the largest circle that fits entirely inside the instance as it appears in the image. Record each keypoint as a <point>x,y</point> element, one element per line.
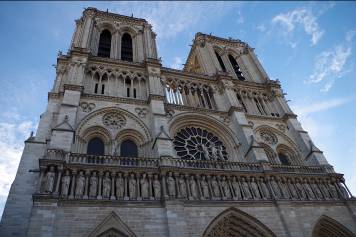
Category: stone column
<point>59,177</point>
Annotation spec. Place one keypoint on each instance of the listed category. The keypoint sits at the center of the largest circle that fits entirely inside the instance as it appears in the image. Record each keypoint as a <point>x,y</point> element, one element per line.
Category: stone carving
<point>65,184</point>
<point>156,187</point>
<point>332,189</point>
<point>132,187</point>
<point>193,143</point>
<point>268,137</point>
<point>225,188</point>
<point>236,187</point>
<point>49,182</point>
<point>281,127</point>
<point>283,187</point>
<point>263,187</point>
<point>301,192</point>
<point>316,190</point>
<point>114,120</point>
<point>182,186</point>
<point>275,188</point>
<point>193,188</point>
<point>144,186</point>
<point>254,188</point>
<point>106,185</point>
<point>204,187</point>
<point>215,187</point>
<point>141,112</point>
<point>120,186</point>
<point>246,189</point>
<point>87,107</point>
<point>323,189</point>
<point>93,190</point>
<point>79,187</point>
<point>171,185</point>
<point>308,190</point>
<point>292,189</point>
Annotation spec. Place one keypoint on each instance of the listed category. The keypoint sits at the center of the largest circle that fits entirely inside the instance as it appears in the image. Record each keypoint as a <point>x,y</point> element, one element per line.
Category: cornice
<point>114,99</point>
<point>194,109</point>
<point>73,87</point>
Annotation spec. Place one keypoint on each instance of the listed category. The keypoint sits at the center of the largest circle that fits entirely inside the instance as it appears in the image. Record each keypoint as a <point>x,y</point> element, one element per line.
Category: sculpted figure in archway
<point>193,188</point>
<point>236,187</point>
<point>182,186</point>
<point>215,187</point>
<point>225,188</point>
<point>65,184</point>
<point>132,187</point>
<point>171,185</point>
<point>49,183</point>
<point>79,189</point>
<point>204,187</point>
<point>106,185</point>
<point>93,190</point>
<point>156,187</point>
<point>120,186</point>
<point>144,186</point>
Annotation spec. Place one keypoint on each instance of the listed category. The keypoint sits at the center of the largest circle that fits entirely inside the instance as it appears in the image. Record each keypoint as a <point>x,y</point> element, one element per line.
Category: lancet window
<point>220,62</point>
<point>95,147</point>
<point>236,68</point>
<point>126,48</point>
<point>128,149</point>
<point>194,143</point>
<point>99,83</point>
<point>189,94</point>
<point>104,44</point>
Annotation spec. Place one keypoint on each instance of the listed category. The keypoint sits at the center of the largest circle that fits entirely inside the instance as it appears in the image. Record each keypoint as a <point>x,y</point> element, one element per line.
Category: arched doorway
<point>96,147</point>
<point>328,227</point>
<point>236,223</point>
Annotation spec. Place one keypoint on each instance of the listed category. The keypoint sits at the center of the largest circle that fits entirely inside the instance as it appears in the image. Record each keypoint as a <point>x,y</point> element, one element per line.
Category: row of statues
<point>142,186</point>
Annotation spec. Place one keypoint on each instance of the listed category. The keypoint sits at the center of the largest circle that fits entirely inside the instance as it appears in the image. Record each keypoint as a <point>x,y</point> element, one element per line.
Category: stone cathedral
<point>129,148</point>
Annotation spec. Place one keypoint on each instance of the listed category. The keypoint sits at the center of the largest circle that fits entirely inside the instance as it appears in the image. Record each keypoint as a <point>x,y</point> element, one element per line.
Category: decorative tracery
<point>193,143</point>
<point>114,120</point>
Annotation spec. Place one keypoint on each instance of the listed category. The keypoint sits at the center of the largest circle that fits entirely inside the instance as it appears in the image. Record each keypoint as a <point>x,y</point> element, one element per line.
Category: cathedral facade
<point>127,147</point>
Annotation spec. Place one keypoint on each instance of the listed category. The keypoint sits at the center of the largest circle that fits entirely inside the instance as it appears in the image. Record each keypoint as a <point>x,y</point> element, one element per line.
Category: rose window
<point>114,120</point>
<point>198,144</point>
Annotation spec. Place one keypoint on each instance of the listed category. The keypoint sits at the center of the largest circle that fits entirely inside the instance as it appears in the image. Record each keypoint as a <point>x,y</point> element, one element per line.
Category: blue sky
<point>308,46</point>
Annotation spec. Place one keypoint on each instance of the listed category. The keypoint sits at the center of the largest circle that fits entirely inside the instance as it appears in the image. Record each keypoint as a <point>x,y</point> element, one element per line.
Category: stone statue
<point>182,187</point>
<point>225,187</point>
<point>316,190</point>
<point>144,186</point>
<point>236,187</point>
<point>79,187</point>
<point>323,189</point>
<point>205,151</point>
<point>246,189</point>
<point>204,187</point>
<point>193,187</point>
<point>132,187</point>
<point>65,184</point>
<point>283,186</point>
<point>275,188</point>
<point>221,153</point>
<point>156,187</point>
<point>300,189</point>
<point>263,187</point>
<point>215,187</point>
<point>106,185</point>
<point>49,183</point>
<point>171,185</point>
<point>292,189</point>
<point>254,188</point>
<point>120,186</point>
<point>308,190</point>
<point>333,190</point>
<point>214,152</point>
<point>93,191</point>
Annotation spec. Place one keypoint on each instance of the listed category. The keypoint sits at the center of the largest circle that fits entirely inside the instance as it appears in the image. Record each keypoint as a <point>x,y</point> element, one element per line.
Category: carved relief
<point>268,137</point>
<point>114,120</point>
<point>141,112</point>
<point>49,182</point>
<point>87,107</point>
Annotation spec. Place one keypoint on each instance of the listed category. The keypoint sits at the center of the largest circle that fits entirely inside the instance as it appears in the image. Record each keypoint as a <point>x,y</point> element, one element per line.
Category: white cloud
<point>170,18</point>
<point>178,63</point>
<point>12,136</point>
<point>261,27</point>
<point>308,109</point>
<point>350,35</point>
<point>330,65</point>
<point>303,17</point>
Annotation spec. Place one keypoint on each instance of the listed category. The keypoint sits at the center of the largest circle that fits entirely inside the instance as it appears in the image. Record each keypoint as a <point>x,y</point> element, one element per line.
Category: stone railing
<point>168,162</point>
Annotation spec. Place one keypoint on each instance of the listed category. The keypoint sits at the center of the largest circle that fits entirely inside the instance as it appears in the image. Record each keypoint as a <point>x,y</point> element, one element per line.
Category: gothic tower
<point>127,147</point>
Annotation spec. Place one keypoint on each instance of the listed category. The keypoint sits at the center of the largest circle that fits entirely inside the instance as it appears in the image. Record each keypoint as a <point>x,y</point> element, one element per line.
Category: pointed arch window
<point>126,48</point>
<point>220,62</point>
<point>236,68</point>
<point>283,159</point>
<point>104,44</point>
<point>95,147</point>
<point>128,149</point>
